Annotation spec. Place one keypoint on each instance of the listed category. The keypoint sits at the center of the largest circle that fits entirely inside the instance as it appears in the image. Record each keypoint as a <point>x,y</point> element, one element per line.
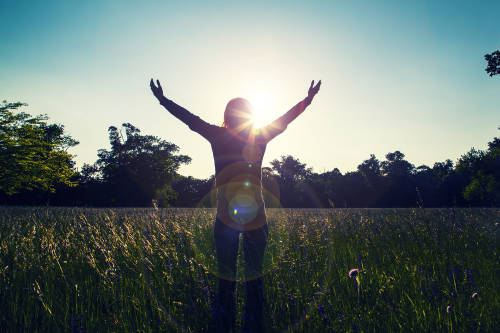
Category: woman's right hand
<point>157,90</point>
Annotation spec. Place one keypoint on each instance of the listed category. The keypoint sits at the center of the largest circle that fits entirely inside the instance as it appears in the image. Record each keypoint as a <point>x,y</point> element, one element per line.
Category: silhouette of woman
<point>238,149</point>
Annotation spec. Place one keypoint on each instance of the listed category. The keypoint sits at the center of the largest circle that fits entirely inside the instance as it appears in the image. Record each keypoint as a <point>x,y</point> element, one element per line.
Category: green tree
<point>33,153</point>
<point>290,169</point>
<point>291,176</point>
<point>396,166</point>
<point>482,168</point>
<point>493,60</point>
<point>329,187</point>
<point>138,168</point>
<point>400,189</point>
<point>371,171</point>
<point>194,192</point>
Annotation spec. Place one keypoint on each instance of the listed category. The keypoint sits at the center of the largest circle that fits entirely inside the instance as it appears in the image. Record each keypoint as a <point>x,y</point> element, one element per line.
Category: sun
<point>264,108</point>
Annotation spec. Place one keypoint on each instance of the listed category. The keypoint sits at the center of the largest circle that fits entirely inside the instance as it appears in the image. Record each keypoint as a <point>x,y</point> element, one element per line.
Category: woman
<point>238,149</point>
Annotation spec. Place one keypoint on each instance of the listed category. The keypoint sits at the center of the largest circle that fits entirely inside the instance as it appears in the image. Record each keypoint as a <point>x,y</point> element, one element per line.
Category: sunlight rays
<point>265,109</point>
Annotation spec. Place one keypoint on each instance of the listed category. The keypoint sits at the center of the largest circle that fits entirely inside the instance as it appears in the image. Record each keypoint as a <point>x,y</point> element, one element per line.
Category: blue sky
<point>397,75</point>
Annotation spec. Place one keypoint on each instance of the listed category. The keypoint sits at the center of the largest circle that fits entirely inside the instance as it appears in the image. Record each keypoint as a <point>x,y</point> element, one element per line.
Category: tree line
<point>140,170</point>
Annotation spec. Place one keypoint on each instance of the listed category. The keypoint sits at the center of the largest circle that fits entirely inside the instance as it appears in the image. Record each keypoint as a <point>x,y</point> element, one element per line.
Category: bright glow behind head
<point>264,108</point>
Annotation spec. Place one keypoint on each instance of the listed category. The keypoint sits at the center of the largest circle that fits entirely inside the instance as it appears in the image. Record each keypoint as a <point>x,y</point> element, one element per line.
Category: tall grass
<point>64,269</point>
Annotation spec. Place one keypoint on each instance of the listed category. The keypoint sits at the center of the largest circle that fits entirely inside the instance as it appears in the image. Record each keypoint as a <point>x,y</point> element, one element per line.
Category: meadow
<point>149,270</point>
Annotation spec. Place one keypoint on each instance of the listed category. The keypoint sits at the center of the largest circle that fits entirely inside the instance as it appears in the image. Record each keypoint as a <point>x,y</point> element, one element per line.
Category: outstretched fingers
<point>156,89</point>
<point>313,90</point>
<point>317,86</point>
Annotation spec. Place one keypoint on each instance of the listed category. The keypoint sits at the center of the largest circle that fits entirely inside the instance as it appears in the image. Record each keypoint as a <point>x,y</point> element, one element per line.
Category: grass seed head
<point>353,272</point>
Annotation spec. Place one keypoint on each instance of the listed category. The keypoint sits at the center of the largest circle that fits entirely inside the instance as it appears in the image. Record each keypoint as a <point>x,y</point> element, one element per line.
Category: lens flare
<point>240,207</point>
<point>244,208</point>
<point>263,103</point>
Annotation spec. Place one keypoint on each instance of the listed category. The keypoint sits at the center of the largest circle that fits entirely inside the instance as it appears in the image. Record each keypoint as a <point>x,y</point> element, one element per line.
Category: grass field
<point>64,269</point>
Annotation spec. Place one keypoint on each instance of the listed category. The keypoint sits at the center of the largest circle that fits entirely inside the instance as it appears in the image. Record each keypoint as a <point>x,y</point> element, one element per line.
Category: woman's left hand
<point>157,91</point>
<point>313,90</point>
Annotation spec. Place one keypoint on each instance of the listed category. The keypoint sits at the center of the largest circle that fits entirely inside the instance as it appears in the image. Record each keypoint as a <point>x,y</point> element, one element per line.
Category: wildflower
<point>448,309</point>
<point>353,272</point>
<point>474,295</point>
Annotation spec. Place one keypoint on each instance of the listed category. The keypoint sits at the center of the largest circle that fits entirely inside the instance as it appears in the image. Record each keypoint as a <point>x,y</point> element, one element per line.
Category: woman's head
<point>238,115</point>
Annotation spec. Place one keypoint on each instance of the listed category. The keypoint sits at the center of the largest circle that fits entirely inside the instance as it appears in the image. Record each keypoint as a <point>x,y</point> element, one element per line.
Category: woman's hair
<point>238,114</point>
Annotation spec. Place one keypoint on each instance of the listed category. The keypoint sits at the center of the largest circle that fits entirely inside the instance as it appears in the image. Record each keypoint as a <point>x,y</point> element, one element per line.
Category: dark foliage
<point>141,169</point>
<point>135,171</point>
<point>33,153</point>
<point>493,60</point>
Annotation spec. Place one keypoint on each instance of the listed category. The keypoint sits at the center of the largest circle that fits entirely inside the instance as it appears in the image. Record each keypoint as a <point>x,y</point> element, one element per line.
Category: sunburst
<point>264,109</point>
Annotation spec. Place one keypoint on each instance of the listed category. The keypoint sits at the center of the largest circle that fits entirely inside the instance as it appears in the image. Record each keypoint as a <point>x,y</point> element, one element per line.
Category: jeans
<point>226,245</point>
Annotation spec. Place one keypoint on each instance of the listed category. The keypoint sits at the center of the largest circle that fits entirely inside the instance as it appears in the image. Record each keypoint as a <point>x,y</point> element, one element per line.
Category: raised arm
<point>195,123</point>
<point>280,124</point>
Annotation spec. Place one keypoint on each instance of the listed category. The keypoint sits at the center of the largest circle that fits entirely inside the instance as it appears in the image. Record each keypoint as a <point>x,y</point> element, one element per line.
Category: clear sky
<point>397,75</point>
